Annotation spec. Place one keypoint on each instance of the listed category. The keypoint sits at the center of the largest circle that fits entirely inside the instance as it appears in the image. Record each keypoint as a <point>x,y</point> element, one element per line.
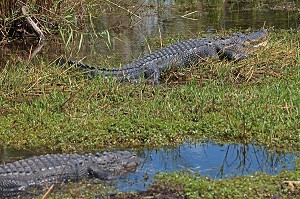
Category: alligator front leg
<point>152,75</point>
<point>101,174</point>
<point>233,55</point>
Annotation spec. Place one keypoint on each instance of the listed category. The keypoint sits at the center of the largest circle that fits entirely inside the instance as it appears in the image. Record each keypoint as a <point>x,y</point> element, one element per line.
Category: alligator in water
<point>183,53</point>
<point>19,177</point>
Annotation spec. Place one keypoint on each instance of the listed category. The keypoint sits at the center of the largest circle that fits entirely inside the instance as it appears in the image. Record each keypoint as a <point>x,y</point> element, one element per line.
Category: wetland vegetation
<point>50,108</point>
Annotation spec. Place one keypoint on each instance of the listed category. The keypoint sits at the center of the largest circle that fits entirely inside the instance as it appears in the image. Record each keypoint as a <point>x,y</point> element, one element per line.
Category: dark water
<point>208,159</point>
<point>130,30</point>
<point>169,18</point>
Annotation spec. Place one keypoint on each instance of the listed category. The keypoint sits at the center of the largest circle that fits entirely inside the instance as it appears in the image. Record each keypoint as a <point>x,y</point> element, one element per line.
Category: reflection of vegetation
<point>244,156</point>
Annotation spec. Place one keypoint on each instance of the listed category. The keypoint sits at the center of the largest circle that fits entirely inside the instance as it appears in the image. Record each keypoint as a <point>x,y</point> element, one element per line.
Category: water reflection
<point>207,159</point>
<point>166,19</point>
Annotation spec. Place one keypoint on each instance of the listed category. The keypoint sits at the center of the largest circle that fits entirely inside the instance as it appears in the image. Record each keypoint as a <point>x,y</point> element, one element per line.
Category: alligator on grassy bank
<point>183,53</point>
<point>19,177</point>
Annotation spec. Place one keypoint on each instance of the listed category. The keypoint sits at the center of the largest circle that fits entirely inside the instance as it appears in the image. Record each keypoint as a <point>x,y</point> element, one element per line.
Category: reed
<point>7,8</point>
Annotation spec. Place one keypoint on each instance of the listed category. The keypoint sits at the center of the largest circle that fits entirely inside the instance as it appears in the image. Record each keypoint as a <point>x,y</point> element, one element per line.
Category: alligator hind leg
<point>99,173</point>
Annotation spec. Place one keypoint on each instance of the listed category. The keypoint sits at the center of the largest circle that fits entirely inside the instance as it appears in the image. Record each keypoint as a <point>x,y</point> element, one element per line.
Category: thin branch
<point>36,29</point>
<point>127,10</point>
<point>36,50</point>
<point>188,14</point>
<point>46,195</point>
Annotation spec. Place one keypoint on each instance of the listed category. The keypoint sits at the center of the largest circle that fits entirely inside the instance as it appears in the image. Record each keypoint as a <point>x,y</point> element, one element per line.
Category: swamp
<point>218,129</point>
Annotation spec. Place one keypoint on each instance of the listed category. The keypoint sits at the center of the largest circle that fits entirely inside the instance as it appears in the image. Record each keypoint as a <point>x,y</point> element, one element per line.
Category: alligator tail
<point>79,65</point>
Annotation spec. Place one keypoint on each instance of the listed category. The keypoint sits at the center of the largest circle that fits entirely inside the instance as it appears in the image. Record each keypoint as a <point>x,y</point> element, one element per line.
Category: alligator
<point>20,177</point>
<point>183,53</point>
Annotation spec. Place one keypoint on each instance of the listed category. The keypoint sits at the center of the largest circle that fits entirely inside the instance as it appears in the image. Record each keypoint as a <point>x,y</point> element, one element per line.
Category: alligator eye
<point>246,43</point>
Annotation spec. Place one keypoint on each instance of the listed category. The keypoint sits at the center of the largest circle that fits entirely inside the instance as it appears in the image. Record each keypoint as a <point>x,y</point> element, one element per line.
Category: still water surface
<point>131,26</point>
<point>208,159</point>
<point>165,19</point>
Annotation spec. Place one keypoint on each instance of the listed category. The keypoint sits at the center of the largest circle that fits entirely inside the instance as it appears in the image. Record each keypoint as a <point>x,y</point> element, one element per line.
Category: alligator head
<point>241,45</point>
<point>256,39</point>
<point>108,165</point>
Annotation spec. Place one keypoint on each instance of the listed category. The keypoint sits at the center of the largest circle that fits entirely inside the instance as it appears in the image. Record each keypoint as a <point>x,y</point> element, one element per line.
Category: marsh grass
<point>51,16</point>
<point>59,108</point>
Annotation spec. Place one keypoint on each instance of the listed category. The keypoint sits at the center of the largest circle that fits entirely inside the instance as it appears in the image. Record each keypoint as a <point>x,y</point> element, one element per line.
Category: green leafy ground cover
<point>249,186</point>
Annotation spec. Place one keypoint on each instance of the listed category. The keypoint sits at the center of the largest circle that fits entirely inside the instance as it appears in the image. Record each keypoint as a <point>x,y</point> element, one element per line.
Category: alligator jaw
<point>264,43</point>
<point>258,39</point>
